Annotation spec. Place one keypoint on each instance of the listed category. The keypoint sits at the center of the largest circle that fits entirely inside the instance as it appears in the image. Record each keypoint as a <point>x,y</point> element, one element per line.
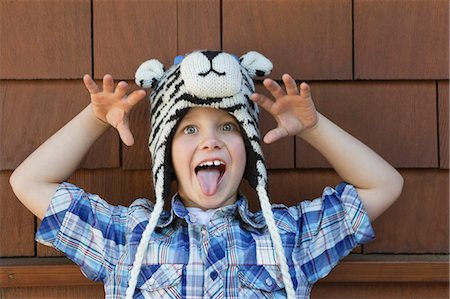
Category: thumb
<point>125,133</point>
<point>275,134</point>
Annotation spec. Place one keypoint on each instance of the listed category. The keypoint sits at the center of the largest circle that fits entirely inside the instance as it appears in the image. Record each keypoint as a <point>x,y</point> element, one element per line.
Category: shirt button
<point>151,281</point>
<point>213,275</point>
<point>269,282</point>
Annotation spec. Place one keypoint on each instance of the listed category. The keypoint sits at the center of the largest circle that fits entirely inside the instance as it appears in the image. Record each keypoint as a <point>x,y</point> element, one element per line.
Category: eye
<point>190,130</point>
<point>228,127</point>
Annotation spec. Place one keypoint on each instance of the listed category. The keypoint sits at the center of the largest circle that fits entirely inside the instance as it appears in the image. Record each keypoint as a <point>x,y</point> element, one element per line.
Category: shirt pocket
<point>160,281</point>
<point>260,281</point>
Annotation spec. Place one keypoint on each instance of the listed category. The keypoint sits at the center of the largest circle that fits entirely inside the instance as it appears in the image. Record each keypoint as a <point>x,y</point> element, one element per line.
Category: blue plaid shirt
<point>233,258</point>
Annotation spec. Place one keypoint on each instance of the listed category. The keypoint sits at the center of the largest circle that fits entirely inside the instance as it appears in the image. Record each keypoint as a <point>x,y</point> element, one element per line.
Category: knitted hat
<point>212,79</point>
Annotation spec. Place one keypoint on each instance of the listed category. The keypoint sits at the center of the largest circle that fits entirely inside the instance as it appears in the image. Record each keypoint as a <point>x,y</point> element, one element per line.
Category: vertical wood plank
<point>308,39</point>
<point>418,222</point>
<point>45,39</point>
<point>401,39</point>
<point>127,33</point>
<point>33,110</point>
<point>198,25</point>
<point>443,115</point>
<point>16,222</point>
<point>396,119</point>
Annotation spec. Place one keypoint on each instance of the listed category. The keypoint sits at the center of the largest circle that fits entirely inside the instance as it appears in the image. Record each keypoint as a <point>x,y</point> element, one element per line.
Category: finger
<point>90,84</point>
<point>274,88</point>
<point>125,133</point>
<point>121,89</point>
<point>291,86</point>
<point>262,101</point>
<point>275,134</point>
<point>136,96</point>
<point>108,83</point>
<point>305,90</point>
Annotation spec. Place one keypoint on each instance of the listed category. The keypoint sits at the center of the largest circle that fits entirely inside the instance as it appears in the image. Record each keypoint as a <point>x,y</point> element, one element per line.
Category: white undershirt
<point>199,216</point>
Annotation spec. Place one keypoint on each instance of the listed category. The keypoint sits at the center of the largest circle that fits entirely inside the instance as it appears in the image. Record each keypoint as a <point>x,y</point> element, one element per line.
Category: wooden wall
<point>378,68</point>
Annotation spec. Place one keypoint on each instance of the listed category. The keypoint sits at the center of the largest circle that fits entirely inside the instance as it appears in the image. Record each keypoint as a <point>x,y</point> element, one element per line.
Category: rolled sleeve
<point>86,229</point>
<point>331,227</point>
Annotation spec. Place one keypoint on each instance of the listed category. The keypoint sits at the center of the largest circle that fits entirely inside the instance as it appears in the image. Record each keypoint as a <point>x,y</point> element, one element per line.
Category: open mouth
<point>209,175</point>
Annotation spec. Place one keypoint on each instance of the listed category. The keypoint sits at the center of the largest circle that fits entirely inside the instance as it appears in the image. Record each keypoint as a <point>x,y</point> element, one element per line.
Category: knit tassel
<point>276,240</point>
<point>142,248</point>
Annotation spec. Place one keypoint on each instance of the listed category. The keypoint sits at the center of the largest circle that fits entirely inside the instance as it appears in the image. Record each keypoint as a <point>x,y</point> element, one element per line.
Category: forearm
<point>55,160</point>
<point>378,183</point>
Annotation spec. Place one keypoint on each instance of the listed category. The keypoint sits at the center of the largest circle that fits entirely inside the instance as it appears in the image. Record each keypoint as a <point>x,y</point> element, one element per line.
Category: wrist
<point>312,131</point>
<point>95,119</point>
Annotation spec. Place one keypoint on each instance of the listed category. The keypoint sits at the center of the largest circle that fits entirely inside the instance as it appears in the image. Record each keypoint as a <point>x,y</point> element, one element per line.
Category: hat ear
<point>256,64</point>
<point>149,73</point>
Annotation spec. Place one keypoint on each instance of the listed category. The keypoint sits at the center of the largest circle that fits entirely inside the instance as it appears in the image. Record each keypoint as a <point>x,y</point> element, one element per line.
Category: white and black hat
<point>212,79</point>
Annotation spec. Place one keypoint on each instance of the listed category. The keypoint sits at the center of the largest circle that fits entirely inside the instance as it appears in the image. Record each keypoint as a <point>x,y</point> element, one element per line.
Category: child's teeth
<point>217,163</point>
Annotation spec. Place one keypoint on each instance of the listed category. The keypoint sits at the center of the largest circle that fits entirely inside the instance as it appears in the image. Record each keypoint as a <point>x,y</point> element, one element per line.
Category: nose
<point>211,54</point>
<point>211,141</point>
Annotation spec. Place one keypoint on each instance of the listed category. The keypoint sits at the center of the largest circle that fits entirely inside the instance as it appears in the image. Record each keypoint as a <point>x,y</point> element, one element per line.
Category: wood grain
<point>45,39</point>
<point>443,115</point>
<point>127,33</point>
<point>418,222</point>
<point>401,39</point>
<point>309,39</point>
<point>16,223</point>
<point>33,110</point>
<point>396,119</point>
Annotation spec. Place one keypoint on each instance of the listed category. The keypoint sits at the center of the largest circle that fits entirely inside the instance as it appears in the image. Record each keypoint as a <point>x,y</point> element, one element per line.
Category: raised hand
<point>113,105</point>
<point>293,109</point>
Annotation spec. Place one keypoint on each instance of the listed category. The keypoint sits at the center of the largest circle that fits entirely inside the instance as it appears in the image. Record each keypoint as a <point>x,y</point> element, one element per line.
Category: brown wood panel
<point>416,290</point>
<point>45,39</point>
<point>127,33</point>
<point>418,221</point>
<point>289,187</point>
<point>16,222</point>
<point>116,186</point>
<point>198,25</point>
<point>308,39</point>
<point>31,272</point>
<point>138,155</point>
<point>281,153</point>
<point>401,39</point>
<point>443,115</point>
<point>73,292</point>
<point>396,119</point>
<point>34,110</point>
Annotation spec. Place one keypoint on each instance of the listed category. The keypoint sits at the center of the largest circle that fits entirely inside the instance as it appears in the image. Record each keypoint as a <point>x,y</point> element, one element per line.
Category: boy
<point>205,135</point>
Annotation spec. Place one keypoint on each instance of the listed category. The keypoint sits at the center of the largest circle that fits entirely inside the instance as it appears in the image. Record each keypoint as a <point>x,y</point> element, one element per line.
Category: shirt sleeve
<point>330,228</point>
<point>86,229</point>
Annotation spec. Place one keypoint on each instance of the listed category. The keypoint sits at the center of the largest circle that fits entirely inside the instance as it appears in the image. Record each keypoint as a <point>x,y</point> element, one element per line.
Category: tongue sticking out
<point>209,180</point>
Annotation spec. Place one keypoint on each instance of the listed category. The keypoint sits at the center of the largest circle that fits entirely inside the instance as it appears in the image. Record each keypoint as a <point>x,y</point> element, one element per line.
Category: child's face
<point>208,136</point>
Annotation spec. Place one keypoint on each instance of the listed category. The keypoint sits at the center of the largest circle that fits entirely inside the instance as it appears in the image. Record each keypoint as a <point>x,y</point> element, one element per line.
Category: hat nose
<point>211,54</point>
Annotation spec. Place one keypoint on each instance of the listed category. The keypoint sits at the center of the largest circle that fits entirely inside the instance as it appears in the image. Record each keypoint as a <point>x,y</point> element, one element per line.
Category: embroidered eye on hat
<point>212,79</point>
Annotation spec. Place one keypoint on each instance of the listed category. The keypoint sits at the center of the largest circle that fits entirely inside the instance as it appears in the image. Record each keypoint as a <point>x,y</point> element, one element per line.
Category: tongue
<point>208,179</point>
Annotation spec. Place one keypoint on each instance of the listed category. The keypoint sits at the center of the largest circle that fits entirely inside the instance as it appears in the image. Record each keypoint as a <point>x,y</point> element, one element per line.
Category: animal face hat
<point>205,79</point>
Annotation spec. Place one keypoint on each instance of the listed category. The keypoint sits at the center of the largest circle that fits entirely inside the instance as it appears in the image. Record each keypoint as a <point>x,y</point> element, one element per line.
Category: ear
<point>256,64</point>
<point>149,73</point>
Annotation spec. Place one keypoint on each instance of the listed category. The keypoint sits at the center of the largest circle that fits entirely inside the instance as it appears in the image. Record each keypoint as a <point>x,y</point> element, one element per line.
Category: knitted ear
<point>149,73</point>
<point>256,64</point>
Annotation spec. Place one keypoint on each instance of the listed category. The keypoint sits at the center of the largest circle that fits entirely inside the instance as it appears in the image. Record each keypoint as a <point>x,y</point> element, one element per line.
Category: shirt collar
<point>239,208</point>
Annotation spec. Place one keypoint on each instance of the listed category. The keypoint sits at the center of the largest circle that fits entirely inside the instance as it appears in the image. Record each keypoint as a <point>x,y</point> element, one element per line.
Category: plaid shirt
<point>233,258</point>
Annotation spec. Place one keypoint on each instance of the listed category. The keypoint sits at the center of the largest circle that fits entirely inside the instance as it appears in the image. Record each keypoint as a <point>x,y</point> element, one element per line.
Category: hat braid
<point>142,248</point>
<point>276,240</point>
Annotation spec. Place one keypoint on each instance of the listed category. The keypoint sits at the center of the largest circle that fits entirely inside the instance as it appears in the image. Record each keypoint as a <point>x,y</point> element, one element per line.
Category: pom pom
<point>256,64</point>
<point>149,73</point>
